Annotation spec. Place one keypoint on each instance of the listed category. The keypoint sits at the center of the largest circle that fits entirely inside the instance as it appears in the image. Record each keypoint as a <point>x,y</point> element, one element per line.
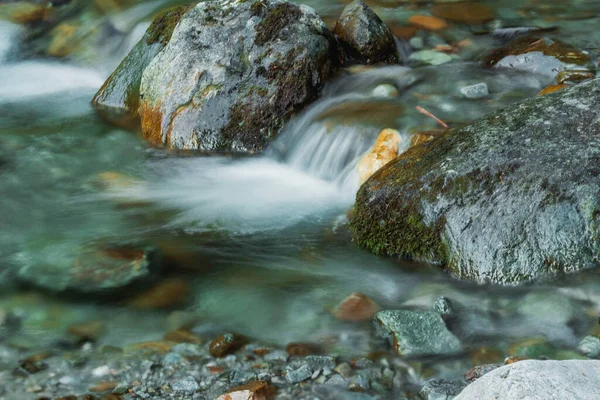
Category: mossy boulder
<point>227,75</point>
<point>507,199</point>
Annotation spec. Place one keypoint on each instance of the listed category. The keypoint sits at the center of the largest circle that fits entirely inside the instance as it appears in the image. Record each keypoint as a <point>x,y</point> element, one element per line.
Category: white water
<point>309,172</point>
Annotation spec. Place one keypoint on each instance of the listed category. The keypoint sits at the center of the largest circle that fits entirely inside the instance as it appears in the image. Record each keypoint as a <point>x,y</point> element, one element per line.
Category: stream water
<point>261,241</point>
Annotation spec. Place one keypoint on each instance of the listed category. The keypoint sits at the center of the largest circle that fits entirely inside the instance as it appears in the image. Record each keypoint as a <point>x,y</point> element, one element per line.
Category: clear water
<point>262,240</point>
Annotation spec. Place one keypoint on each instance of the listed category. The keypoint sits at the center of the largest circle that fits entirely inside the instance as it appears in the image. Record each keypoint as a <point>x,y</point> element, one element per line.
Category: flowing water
<point>261,241</point>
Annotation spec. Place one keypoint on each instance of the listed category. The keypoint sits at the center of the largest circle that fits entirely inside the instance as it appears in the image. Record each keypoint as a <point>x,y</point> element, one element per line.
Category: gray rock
<point>320,362</point>
<point>295,374</point>
<point>229,75</point>
<point>439,389</point>
<point>534,62</point>
<point>477,91</point>
<point>186,385</point>
<point>590,347</point>
<point>364,36</point>
<point>443,306</point>
<point>416,333</point>
<point>538,380</point>
<point>506,199</point>
<point>336,380</point>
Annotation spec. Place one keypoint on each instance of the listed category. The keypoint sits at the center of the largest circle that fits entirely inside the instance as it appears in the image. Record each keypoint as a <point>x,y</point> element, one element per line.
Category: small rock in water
<point>477,91</point>
<point>416,333</point>
<point>226,344</point>
<point>465,12</point>
<point>298,374</point>
<point>185,385</point>
<point>259,390</point>
<point>320,362</point>
<point>384,151</point>
<point>168,294</point>
<point>574,76</point>
<point>552,89</point>
<point>416,42</point>
<point>478,371</point>
<point>428,22</point>
<point>356,307</point>
<point>364,35</point>
<point>440,389</point>
<point>443,306</point>
<point>303,349</point>
<point>385,90</point>
<point>590,346</point>
<point>430,57</point>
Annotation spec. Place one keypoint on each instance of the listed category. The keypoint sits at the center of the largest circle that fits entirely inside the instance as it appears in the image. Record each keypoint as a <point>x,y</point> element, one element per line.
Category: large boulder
<point>364,36</point>
<point>506,199</point>
<point>231,73</point>
<point>538,380</point>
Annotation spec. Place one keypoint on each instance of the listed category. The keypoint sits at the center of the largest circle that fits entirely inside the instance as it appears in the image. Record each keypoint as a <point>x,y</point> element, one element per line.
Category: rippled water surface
<point>261,242</point>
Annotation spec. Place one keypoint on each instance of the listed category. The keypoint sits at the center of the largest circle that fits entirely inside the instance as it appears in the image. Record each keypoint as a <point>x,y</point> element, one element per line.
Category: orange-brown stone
<point>258,390</point>
<point>466,12</point>
<point>428,22</point>
<point>168,294</point>
<point>356,307</point>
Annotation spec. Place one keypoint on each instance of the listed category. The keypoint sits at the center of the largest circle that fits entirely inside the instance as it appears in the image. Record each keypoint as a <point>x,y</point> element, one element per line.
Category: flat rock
<point>538,380</point>
<point>509,198</point>
<point>414,333</point>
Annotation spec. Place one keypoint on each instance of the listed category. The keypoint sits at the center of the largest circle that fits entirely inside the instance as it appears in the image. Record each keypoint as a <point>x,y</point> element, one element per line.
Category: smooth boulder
<point>538,380</point>
<point>509,198</point>
<point>364,36</point>
<point>227,74</point>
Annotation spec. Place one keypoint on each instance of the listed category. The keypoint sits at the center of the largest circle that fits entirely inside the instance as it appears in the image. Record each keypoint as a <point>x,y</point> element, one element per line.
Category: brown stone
<point>258,390</point>
<point>303,349</point>
<point>552,89</point>
<point>428,22</point>
<point>226,344</point>
<point>550,47</point>
<point>22,12</point>
<point>183,336</point>
<point>88,331</point>
<point>466,12</point>
<point>159,347</point>
<point>404,32</point>
<point>104,386</point>
<point>262,351</point>
<point>168,294</point>
<point>574,76</point>
<point>356,308</point>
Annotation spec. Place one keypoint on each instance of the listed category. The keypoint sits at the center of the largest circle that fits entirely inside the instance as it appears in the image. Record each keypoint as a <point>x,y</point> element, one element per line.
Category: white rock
<point>477,91</point>
<point>590,346</point>
<point>538,380</point>
<point>385,90</point>
<point>101,371</point>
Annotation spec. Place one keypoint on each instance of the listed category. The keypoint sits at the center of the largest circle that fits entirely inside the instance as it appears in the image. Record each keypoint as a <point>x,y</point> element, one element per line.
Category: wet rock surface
<point>364,36</point>
<point>229,76</point>
<point>538,380</point>
<point>500,200</point>
<point>416,333</point>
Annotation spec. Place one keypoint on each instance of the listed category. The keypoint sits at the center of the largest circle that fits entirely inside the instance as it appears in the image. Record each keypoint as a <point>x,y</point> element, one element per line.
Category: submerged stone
<point>356,307</point>
<point>538,380</point>
<point>364,36</point>
<point>226,344</point>
<point>507,199</point>
<point>590,346</point>
<point>416,333</point>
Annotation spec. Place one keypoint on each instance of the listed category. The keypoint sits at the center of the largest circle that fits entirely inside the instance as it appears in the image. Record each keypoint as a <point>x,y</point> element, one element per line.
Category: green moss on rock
<point>277,19</point>
<point>164,24</point>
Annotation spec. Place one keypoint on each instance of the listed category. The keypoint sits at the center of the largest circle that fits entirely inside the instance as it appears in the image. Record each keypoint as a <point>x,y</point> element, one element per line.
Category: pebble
<point>226,344</point>
<point>186,385</point>
<point>416,42</point>
<point>385,90</point>
<point>299,374</point>
<point>336,380</point>
<point>101,371</point>
<point>428,22</point>
<point>356,307</point>
<point>438,389</point>
<point>465,12</point>
<point>344,369</point>
<point>477,91</point>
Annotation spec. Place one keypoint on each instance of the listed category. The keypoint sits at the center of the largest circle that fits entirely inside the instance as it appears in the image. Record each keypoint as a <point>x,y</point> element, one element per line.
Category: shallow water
<point>262,241</point>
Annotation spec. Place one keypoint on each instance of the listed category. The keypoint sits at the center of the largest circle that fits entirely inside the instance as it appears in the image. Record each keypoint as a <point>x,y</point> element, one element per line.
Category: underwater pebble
<point>477,91</point>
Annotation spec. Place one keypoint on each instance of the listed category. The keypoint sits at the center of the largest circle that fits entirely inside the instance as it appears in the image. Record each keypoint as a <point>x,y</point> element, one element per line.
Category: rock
<point>22,12</point>
<point>538,380</point>
<point>94,268</point>
<point>385,90</point>
<point>464,12</point>
<point>226,344</point>
<point>103,386</point>
<point>430,57</point>
<point>298,374</point>
<point>428,22</point>
<point>539,55</point>
<point>443,306</point>
<point>497,200</point>
<point>514,359</point>
<point>259,390</point>
<point>320,362</point>
<point>590,347</point>
<point>384,151</point>
<point>186,385</point>
<point>356,307</point>
<point>232,73</point>
<point>478,371</point>
<point>364,36</point>
<point>416,333</point>
<point>344,369</point>
<point>439,389</point>
<point>477,91</point>
<point>416,43</point>
<point>574,76</point>
<point>168,294</point>
<point>552,89</point>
